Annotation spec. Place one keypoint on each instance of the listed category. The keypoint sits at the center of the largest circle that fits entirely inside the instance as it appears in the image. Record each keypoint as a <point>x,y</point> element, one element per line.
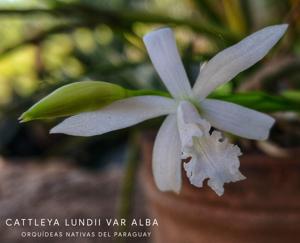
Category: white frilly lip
<point>212,156</point>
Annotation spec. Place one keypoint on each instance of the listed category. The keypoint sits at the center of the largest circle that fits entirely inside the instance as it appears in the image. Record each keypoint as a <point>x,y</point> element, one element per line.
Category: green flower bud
<point>75,98</point>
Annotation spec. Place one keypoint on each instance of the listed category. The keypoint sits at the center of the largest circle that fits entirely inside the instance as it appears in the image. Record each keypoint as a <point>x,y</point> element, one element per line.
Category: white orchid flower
<point>185,133</point>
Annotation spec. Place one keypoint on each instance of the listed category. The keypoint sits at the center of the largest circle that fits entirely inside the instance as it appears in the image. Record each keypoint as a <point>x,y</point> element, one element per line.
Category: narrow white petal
<point>167,157</point>
<point>162,49</point>
<point>120,114</point>
<point>237,119</point>
<point>235,59</point>
<point>211,156</point>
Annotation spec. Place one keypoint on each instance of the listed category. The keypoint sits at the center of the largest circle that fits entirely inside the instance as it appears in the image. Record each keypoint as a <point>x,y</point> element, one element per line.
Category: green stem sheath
<point>132,93</point>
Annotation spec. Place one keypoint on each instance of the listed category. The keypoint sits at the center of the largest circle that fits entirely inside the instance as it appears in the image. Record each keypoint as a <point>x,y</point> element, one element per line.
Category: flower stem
<point>141,92</point>
<point>128,183</point>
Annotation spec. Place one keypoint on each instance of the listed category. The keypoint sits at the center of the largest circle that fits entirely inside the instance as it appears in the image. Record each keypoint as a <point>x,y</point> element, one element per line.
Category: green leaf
<point>261,101</point>
<point>75,98</point>
<point>292,95</point>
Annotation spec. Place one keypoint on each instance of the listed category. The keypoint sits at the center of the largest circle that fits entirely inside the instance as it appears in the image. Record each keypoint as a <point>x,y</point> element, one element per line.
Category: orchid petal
<point>166,157</point>
<point>235,59</point>
<point>120,114</point>
<point>215,158</point>
<point>236,119</point>
<point>211,156</point>
<point>162,49</point>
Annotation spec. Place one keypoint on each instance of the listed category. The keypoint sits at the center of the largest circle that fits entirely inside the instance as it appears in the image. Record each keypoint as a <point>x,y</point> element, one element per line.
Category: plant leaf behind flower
<point>261,101</point>
<point>293,95</point>
<point>75,98</point>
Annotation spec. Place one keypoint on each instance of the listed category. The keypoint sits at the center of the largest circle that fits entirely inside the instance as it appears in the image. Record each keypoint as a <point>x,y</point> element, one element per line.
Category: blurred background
<point>46,44</point>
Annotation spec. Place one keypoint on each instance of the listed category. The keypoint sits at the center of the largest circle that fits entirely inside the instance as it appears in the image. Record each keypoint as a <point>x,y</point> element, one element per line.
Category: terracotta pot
<point>263,208</point>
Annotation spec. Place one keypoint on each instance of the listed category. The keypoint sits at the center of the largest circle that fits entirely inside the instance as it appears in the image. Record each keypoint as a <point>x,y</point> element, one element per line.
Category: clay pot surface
<point>263,208</point>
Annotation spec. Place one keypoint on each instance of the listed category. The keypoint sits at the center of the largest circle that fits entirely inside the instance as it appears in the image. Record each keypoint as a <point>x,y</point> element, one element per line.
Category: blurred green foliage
<point>46,44</point>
